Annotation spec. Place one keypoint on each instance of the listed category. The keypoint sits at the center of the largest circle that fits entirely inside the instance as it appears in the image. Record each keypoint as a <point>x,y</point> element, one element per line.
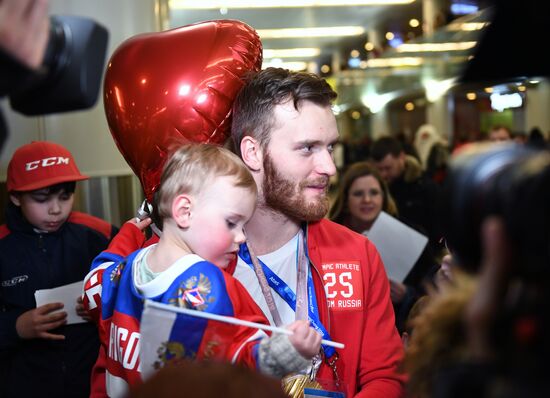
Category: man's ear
<point>181,210</point>
<point>15,199</point>
<point>251,153</point>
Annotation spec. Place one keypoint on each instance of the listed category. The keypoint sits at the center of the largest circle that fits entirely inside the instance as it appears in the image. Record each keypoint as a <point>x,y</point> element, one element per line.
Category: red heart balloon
<point>176,86</point>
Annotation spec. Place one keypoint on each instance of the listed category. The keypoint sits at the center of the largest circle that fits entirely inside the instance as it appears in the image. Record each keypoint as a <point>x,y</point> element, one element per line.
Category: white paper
<point>399,245</point>
<point>67,295</point>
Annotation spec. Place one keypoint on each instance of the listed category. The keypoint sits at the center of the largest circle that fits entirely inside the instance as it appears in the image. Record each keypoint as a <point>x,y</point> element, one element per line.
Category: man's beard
<point>287,197</point>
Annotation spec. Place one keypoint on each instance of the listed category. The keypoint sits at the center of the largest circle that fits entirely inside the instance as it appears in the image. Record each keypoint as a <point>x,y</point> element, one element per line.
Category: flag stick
<point>229,319</point>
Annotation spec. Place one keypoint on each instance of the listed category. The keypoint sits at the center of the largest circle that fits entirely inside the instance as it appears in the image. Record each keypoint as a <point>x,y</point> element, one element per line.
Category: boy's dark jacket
<point>31,261</point>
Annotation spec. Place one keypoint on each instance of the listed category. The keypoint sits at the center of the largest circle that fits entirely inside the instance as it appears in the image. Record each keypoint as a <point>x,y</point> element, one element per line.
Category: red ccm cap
<point>41,164</point>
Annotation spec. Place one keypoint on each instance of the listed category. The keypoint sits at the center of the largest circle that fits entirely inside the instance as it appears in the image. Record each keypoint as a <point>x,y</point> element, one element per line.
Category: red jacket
<point>355,307</point>
<point>354,303</point>
<point>353,297</point>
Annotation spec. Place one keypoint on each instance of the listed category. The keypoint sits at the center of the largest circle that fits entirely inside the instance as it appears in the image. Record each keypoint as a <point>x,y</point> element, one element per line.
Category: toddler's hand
<point>305,339</point>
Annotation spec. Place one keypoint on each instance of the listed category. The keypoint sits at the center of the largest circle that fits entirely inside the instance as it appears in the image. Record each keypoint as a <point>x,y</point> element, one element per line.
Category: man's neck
<point>268,230</point>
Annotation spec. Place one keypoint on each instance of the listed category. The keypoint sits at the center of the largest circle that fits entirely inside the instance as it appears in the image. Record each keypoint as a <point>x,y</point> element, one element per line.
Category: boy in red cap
<point>43,245</point>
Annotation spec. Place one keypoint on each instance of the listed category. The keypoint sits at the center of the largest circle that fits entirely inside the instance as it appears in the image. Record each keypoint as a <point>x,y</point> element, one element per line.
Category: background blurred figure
<point>536,139</point>
<point>208,380</point>
<point>499,132</point>
<point>362,195</point>
<point>414,193</point>
<point>433,151</point>
<point>498,229</point>
<point>407,142</point>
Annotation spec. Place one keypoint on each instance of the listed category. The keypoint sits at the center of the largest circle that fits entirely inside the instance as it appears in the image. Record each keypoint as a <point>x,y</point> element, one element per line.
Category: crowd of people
<point>249,236</point>
<point>254,234</point>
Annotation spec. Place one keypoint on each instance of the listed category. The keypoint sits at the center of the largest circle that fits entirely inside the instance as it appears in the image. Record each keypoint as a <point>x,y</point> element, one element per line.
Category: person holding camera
<point>44,245</point>
<point>486,335</point>
<point>24,26</point>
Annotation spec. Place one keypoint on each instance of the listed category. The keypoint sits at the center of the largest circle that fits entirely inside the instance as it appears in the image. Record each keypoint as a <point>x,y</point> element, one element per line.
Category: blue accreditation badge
<point>314,393</point>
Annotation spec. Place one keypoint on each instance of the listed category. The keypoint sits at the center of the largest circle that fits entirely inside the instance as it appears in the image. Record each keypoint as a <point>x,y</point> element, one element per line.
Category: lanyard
<point>268,279</point>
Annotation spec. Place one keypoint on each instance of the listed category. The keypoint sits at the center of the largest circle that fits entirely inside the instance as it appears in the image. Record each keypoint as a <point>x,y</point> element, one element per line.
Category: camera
<point>506,180</point>
<point>72,69</point>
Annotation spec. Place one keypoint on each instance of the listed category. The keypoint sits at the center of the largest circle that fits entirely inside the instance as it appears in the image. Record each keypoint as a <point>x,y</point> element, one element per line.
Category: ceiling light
<point>214,4</point>
<point>328,31</point>
<point>409,106</point>
<point>467,26</point>
<point>433,47</point>
<point>277,63</point>
<point>471,96</point>
<point>376,102</point>
<point>414,23</point>
<point>389,35</point>
<point>394,62</point>
<point>435,89</point>
<point>291,52</point>
<point>369,46</point>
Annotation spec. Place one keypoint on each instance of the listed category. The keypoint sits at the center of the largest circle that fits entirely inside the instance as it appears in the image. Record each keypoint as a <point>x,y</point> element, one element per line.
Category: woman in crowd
<point>362,195</point>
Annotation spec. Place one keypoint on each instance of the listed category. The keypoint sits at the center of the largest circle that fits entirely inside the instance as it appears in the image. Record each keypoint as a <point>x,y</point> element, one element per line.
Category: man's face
<point>298,161</point>
<point>391,167</point>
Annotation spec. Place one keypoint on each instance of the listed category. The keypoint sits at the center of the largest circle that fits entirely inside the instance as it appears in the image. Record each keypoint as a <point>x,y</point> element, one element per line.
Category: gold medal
<point>294,385</point>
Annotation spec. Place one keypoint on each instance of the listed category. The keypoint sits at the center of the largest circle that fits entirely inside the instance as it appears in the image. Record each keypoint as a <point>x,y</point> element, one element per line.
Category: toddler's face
<point>45,211</point>
<point>217,221</point>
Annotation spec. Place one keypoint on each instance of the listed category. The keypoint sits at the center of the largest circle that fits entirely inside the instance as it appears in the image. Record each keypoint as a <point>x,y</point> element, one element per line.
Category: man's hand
<point>24,30</point>
<point>35,324</point>
<point>305,339</point>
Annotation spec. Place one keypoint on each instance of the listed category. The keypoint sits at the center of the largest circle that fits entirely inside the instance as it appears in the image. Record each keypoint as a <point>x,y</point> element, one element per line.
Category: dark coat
<point>30,261</point>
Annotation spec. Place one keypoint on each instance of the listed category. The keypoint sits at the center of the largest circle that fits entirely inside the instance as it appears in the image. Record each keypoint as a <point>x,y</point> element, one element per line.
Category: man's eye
<point>307,148</point>
<point>330,148</point>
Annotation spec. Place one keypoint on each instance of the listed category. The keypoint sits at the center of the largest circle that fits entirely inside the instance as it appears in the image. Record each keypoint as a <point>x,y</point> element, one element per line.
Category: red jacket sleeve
<point>129,239</point>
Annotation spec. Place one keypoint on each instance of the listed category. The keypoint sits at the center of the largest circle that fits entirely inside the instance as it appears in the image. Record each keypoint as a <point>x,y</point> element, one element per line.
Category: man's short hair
<point>385,146</point>
<point>254,105</point>
<point>194,166</point>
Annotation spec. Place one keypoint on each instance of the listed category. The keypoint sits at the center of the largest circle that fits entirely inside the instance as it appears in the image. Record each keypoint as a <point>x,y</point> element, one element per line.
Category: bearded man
<point>298,265</point>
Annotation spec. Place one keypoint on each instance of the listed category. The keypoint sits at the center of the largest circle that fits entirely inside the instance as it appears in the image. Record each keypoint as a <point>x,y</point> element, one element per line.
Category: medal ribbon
<point>286,293</point>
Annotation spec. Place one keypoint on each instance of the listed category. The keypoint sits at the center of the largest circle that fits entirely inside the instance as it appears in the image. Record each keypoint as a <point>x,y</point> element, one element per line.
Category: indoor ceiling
<point>489,54</point>
<point>365,17</point>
